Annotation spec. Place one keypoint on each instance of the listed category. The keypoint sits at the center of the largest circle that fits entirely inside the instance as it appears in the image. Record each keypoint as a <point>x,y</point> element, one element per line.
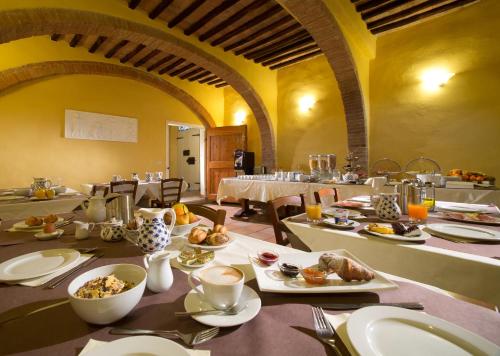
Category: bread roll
<point>50,218</point>
<point>197,236</point>
<point>217,239</point>
<point>220,228</point>
<point>33,221</point>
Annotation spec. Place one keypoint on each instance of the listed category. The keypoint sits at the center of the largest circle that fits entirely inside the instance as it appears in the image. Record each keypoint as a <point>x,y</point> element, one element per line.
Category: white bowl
<point>107,310</point>
<point>181,230</point>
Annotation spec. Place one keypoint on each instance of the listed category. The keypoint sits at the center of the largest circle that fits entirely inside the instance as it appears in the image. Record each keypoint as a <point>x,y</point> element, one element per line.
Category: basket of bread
<point>472,176</point>
<point>185,220</point>
<point>209,238</point>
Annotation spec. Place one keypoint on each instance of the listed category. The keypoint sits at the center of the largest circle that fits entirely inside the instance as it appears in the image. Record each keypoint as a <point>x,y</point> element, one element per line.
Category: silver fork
<point>324,329</point>
<point>188,338</point>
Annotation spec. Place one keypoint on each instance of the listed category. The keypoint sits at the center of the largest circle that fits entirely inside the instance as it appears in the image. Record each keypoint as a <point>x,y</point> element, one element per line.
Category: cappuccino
<point>221,275</point>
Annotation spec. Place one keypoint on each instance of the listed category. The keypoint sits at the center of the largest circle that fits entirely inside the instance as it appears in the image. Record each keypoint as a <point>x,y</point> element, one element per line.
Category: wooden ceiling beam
<point>221,85</point>
<point>370,5</point>
<point>247,25</point>
<point>296,60</point>
<point>289,55</point>
<point>380,10</point>
<point>207,79</point>
<point>75,40</point>
<point>422,15</point>
<point>185,13</point>
<point>232,19</point>
<point>147,57</point>
<point>161,62</point>
<point>216,11</point>
<point>171,66</point>
<point>199,76</point>
<point>282,50</point>
<point>181,70</point>
<point>55,36</point>
<point>260,32</point>
<point>132,4</point>
<point>98,42</point>
<point>116,48</point>
<point>216,81</point>
<point>268,39</point>
<point>132,53</point>
<point>159,9</point>
<point>191,73</point>
<point>273,46</point>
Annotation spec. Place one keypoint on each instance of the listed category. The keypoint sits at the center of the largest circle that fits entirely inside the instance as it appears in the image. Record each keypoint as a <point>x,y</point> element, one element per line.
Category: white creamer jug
<point>160,277</point>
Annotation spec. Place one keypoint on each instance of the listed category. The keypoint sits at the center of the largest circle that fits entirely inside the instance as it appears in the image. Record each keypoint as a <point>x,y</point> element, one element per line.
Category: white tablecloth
<point>263,191</point>
<point>150,188</point>
<point>22,209</point>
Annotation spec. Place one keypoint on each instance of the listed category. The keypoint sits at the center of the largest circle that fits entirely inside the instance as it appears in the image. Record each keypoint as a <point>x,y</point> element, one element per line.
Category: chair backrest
<point>170,191</point>
<point>99,188</point>
<point>124,186</point>
<point>218,217</point>
<point>326,196</point>
<point>281,208</point>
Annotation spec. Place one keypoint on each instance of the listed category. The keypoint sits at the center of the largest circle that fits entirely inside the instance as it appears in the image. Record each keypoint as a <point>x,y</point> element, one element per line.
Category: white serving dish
<point>270,279</point>
<point>107,310</point>
<point>181,230</point>
<point>139,345</point>
<point>423,235</point>
<point>465,232</point>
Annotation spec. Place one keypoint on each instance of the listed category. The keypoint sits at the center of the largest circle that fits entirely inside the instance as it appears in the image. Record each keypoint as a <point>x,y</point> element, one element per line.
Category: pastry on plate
<point>33,221</point>
<point>346,268</point>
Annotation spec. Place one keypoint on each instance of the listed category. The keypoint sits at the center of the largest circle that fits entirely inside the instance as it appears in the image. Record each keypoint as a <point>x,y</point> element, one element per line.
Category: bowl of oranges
<point>184,221</point>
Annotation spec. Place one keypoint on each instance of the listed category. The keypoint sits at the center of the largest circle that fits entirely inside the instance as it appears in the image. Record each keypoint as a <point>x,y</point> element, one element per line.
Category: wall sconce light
<point>240,116</point>
<point>306,103</point>
<point>435,78</point>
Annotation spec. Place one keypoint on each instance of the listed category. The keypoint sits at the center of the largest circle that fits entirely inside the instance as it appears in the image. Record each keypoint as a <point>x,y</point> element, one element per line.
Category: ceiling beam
<point>216,11</point>
<point>55,37</point>
<point>185,13</point>
<point>247,25</point>
<point>273,46</point>
<point>98,42</point>
<point>191,73</point>
<point>147,57</point>
<point>221,85</point>
<point>161,62</point>
<point>75,40</point>
<point>216,81</point>
<point>132,4</point>
<point>284,49</point>
<point>207,79</point>
<point>199,76</point>
<point>181,70</point>
<point>297,59</point>
<point>116,48</point>
<point>232,19</point>
<point>171,66</point>
<point>380,10</point>
<point>269,39</point>
<point>159,9</point>
<point>132,53</point>
<point>370,5</point>
<point>289,55</point>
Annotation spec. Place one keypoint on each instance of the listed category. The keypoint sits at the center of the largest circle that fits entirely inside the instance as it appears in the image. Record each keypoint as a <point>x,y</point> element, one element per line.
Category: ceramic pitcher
<point>95,209</point>
<point>160,277</point>
<point>112,231</point>
<point>387,208</point>
<point>154,235</point>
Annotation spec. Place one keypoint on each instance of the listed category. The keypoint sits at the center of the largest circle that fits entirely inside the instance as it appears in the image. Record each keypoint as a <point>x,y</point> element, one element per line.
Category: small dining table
<point>284,324</point>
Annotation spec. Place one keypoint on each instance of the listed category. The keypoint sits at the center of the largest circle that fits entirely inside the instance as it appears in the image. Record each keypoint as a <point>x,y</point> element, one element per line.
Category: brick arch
<point>324,28</point>
<point>15,76</point>
<point>18,24</point>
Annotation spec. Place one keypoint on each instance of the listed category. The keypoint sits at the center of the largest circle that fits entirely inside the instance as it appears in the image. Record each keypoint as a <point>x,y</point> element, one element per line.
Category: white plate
<point>466,232</point>
<point>21,225</point>
<point>396,331</point>
<point>461,208</point>
<point>39,199</point>
<point>11,197</point>
<point>49,236</point>
<point>209,247</point>
<point>140,345</point>
<point>352,213</point>
<point>361,199</point>
<point>37,264</point>
<point>331,222</point>
<point>248,297</point>
<point>270,279</point>
<point>423,236</point>
<point>193,265</point>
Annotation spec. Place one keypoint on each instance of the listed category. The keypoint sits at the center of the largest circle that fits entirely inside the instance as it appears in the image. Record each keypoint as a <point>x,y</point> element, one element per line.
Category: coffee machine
<point>244,162</point>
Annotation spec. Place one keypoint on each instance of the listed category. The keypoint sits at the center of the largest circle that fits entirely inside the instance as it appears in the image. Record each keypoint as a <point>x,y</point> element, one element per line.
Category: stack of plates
<point>469,233</point>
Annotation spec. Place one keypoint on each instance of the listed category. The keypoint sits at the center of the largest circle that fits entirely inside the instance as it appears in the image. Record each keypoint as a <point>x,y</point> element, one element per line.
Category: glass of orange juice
<point>417,212</point>
<point>313,212</point>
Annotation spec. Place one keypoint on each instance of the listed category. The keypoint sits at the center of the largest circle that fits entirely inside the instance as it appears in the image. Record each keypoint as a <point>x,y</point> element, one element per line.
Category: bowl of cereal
<point>108,293</point>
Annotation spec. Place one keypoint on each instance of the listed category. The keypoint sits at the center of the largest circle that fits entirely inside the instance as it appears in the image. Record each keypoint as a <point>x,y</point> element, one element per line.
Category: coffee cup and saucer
<point>221,287</point>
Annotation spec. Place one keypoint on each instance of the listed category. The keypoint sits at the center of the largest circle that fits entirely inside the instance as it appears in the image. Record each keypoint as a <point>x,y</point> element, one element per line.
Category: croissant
<point>217,239</point>
<point>346,268</point>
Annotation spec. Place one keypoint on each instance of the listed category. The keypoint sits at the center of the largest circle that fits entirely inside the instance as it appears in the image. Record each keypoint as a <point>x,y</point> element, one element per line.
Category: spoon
<point>231,311</point>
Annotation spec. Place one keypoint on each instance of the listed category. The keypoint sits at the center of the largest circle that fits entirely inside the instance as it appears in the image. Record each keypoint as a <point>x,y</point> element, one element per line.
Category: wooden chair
<point>216,216</point>
<point>326,196</point>
<point>281,208</point>
<point>170,193</point>
<point>125,186</point>
<point>99,188</point>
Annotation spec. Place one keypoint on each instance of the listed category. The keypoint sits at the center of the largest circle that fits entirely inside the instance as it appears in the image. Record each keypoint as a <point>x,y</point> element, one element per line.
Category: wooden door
<point>221,144</point>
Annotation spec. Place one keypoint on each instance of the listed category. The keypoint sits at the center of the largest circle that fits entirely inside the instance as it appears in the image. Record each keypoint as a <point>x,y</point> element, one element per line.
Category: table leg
<point>245,210</point>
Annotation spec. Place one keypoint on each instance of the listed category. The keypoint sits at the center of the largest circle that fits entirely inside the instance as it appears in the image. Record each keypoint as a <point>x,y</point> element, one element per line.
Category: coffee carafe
<point>411,191</point>
<point>120,207</point>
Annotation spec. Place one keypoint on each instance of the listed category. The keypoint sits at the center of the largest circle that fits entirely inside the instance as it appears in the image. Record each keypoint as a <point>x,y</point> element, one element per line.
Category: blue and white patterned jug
<point>154,235</point>
<point>386,207</point>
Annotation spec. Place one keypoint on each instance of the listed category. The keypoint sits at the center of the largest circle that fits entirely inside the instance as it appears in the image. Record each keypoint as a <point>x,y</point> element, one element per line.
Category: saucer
<point>50,235</point>
<point>248,296</point>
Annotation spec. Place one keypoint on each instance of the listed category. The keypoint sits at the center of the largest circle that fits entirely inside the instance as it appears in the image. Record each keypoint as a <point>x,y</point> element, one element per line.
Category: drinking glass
<point>417,212</point>
<point>313,212</point>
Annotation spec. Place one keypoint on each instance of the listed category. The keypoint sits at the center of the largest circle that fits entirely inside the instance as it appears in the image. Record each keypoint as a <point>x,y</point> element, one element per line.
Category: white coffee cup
<point>82,229</point>
<point>222,285</point>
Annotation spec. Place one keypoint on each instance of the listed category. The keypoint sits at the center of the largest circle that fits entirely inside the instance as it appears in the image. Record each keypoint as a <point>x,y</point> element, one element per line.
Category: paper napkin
<point>339,323</point>
<point>96,343</point>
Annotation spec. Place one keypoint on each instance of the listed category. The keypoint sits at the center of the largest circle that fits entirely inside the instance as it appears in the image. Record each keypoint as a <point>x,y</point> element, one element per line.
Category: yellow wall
<point>32,139</point>
<point>233,102</point>
<point>322,129</point>
<point>459,125</point>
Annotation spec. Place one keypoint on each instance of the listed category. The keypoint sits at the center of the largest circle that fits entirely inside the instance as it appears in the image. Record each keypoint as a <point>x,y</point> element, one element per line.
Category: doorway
<point>186,157</point>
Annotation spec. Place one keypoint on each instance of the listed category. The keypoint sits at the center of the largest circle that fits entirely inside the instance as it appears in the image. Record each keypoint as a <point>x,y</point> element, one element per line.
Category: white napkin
<point>35,282</point>
<point>339,323</point>
<point>96,343</point>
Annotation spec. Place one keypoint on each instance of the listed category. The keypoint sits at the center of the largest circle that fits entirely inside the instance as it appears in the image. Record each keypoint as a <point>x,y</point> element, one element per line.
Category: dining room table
<point>283,325</point>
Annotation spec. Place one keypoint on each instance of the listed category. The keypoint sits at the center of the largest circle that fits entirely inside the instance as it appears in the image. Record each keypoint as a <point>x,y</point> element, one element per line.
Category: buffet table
<point>283,326</point>
<point>263,191</point>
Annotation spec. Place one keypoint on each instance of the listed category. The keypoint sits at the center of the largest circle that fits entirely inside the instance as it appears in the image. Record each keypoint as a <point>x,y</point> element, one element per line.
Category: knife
<point>344,306</point>
<point>50,306</point>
